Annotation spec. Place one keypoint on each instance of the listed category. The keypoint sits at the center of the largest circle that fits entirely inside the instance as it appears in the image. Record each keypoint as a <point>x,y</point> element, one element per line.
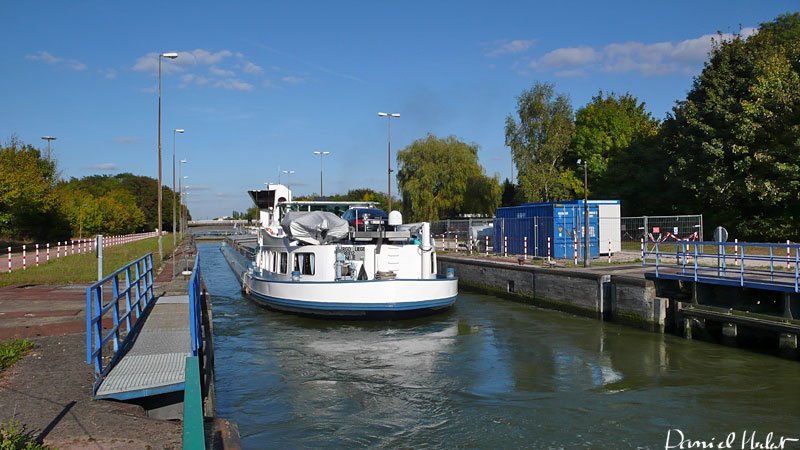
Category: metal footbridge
<point>772,267</point>
<point>138,344</point>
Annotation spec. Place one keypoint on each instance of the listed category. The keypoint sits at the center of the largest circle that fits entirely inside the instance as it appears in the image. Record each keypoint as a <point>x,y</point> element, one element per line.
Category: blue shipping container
<point>562,222</point>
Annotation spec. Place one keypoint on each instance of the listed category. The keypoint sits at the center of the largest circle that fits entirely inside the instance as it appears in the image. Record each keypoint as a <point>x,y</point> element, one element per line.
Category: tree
<point>539,142</point>
<point>605,130</point>
<point>735,140</point>
<point>510,194</point>
<point>441,178</point>
<point>28,206</point>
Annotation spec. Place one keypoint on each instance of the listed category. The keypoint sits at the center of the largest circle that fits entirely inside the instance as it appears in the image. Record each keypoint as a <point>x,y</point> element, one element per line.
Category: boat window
<point>274,267</point>
<point>284,262</point>
<point>304,263</point>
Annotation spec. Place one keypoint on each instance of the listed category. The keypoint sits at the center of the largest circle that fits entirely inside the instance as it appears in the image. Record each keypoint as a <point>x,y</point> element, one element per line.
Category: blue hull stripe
<point>322,306</point>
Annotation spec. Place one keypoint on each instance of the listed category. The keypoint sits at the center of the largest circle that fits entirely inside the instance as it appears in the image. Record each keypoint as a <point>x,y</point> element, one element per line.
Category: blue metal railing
<point>195,309</point>
<point>767,266</point>
<point>137,295</point>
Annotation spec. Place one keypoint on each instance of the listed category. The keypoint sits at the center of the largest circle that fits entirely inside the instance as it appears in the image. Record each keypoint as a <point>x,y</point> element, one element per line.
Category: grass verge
<point>14,436</point>
<point>12,351</point>
<point>77,269</point>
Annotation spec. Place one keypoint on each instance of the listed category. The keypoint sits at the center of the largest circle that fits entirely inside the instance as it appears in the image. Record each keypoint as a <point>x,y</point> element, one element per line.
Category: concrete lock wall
<point>625,299</point>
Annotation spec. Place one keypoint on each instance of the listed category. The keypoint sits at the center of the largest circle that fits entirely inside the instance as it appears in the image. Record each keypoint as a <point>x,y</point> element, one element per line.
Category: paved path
<point>50,390</point>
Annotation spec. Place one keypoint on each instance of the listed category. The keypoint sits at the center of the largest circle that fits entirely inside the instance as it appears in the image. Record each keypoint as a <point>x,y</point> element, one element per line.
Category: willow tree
<point>442,178</point>
<point>539,141</point>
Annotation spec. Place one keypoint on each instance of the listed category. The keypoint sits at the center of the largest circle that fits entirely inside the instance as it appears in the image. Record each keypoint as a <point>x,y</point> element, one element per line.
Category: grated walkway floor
<point>156,361</point>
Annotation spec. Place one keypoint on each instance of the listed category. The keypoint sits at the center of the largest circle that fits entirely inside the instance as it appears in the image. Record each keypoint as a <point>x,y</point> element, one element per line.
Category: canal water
<point>490,373</point>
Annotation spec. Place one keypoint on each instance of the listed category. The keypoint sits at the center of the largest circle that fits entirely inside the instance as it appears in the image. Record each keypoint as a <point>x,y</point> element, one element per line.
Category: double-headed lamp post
<point>174,133</point>
<point>389,139</point>
<point>170,55</point>
<point>49,139</point>
<point>288,179</point>
<point>321,154</point>
<point>586,260</point>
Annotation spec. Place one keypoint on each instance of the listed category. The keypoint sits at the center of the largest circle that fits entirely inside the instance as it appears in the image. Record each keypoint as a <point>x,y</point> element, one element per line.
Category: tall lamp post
<point>288,179</point>
<point>170,55</point>
<point>49,139</point>
<point>174,133</point>
<point>389,139</point>
<point>321,154</point>
<point>586,260</point>
<point>180,197</point>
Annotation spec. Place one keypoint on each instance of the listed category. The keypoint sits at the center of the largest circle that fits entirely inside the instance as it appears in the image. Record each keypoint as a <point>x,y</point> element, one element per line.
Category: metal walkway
<point>142,348</point>
<point>773,267</point>
<point>155,363</point>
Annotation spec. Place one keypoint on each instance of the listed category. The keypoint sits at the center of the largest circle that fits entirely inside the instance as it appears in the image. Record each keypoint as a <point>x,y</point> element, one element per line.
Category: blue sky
<point>259,86</point>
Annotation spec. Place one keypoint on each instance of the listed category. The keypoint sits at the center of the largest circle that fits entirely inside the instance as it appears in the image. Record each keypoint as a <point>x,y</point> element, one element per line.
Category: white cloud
<point>109,74</point>
<point>291,79</point>
<point>49,58</point>
<point>252,69</point>
<point>149,62</point>
<point>221,68</point>
<point>234,85</point>
<point>508,47</point>
<point>217,72</point>
<point>563,58</point>
<point>657,58</point>
<point>104,167</point>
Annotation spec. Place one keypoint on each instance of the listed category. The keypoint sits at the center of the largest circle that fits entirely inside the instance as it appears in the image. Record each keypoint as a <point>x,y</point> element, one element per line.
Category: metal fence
<point>540,236</point>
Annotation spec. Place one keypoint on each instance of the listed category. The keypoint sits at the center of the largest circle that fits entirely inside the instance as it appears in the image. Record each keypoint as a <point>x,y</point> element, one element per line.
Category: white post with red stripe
<point>609,251</point>
<point>24,257</point>
<point>736,251</point>
<point>456,243</point>
<point>37,255</point>
<point>642,248</point>
<point>788,255</point>
<point>548,248</point>
<point>9,259</point>
<point>525,248</point>
<point>48,252</point>
<point>575,250</point>
<point>505,245</point>
<point>486,245</point>
<point>72,246</point>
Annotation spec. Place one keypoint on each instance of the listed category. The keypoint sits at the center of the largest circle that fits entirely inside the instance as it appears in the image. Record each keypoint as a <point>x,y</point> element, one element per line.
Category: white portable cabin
<point>609,215</point>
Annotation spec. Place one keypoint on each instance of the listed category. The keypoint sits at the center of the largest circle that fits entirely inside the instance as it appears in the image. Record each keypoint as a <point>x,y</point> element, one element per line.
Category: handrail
<point>138,282</point>
<point>742,263</point>
<point>195,309</point>
<point>193,426</point>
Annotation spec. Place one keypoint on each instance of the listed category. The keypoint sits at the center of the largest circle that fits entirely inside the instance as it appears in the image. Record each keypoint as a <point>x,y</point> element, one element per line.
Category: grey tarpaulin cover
<point>314,227</point>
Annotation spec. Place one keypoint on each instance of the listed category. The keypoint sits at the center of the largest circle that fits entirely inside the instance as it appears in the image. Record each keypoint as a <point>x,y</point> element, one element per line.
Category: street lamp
<point>321,154</point>
<point>174,133</point>
<point>288,179</point>
<point>389,139</point>
<point>180,198</point>
<point>586,262</point>
<point>170,55</point>
<point>48,139</point>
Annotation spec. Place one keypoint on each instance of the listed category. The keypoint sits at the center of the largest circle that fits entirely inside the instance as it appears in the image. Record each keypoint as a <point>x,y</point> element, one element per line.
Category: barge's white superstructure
<point>311,261</point>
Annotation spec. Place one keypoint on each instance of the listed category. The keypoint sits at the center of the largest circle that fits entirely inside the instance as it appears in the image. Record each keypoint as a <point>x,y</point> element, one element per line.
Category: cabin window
<point>304,263</point>
<point>274,267</point>
<point>284,262</point>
